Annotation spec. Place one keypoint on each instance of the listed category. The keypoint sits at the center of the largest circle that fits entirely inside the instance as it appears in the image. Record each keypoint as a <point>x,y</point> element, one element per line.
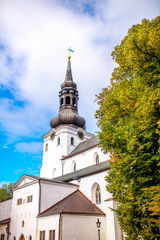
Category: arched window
<point>97,159</point>
<point>22,237</point>
<point>72,141</point>
<point>58,141</point>
<point>30,237</point>
<point>74,166</point>
<point>23,223</point>
<point>61,101</point>
<point>74,102</point>
<point>96,193</point>
<point>46,147</point>
<point>67,100</point>
<point>14,238</point>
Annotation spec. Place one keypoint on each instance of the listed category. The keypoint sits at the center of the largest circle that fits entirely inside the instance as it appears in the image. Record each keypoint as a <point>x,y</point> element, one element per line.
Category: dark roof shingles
<point>75,203</point>
<point>83,146</point>
<point>84,172</point>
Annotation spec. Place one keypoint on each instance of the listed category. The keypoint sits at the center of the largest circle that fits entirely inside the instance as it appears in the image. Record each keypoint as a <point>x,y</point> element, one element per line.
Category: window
<point>19,201</point>
<point>30,237</point>
<point>42,235</point>
<point>23,223</point>
<point>46,147</point>
<point>74,102</point>
<point>98,195</point>
<point>14,238</point>
<point>97,159</point>
<point>58,141</point>
<point>51,234</point>
<point>30,198</point>
<point>67,100</point>
<point>61,101</point>
<point>2,236</point>
<point>72,141</point>
<point>74,167</point>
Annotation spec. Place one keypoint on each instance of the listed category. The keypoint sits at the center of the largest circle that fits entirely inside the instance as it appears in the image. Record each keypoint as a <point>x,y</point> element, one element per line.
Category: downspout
<point>8,230</point>
<point>60,228</point>
<point>39,208</point>
<point>62,165</point>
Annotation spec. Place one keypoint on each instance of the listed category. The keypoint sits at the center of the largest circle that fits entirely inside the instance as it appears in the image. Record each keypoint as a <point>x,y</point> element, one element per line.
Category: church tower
<point>67,129</point>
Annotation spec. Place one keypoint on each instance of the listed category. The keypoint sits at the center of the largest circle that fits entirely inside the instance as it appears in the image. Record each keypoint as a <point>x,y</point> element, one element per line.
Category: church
<point>69,200</point>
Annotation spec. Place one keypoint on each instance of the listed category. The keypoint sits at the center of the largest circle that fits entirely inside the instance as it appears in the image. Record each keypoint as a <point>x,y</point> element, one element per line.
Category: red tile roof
<point>75,203</point>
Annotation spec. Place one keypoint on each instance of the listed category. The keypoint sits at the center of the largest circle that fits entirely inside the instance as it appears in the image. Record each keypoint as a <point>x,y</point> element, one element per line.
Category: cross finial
<point>70,50</point>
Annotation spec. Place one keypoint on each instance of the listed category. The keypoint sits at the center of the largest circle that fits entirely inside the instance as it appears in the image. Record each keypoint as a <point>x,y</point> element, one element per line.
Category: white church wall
<point>84,159</point>
<point>5,209</point>
<point>48,223</point>
<point>51,193</point>
<point>23,216</point>
<point>53,153</point>
<point>82,227</point>
<point>85,186</point>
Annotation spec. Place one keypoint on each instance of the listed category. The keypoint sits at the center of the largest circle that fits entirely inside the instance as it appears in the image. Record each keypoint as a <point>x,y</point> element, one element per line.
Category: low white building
<point>69,199</point>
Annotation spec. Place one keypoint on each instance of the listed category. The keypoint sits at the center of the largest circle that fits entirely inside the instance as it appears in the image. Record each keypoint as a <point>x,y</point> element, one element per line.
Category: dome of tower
<point>67,116</point>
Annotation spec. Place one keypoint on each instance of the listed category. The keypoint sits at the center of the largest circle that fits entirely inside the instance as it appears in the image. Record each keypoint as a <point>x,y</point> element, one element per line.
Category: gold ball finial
<point>70,51</point>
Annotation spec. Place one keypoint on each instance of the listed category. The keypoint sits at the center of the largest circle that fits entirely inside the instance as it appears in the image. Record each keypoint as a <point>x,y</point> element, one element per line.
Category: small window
<point>58,141</point>
<point>74,102</point>
<point>67,100</point>
<point>2,236</point>
<point>98,195</point>
<point>61,101</point>
<point>23,223</point>
<point>72,141</point>
<point>51,234</point>
<point>74,167</point>
<point>30,237</point>
<point>19,201</point>
<point>97,158</point>
<point>46,147</point>
<point>29,198</point>
<point>14,238</point>
<point>42,235</point>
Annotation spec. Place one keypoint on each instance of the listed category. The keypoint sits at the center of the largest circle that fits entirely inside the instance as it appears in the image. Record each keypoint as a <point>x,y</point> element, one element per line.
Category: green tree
<point>129,120</point>
<point>6,191</point>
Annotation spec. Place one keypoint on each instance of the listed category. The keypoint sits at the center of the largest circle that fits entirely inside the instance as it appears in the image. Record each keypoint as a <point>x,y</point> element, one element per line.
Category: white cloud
<point>38,33</point>
<point>31,147</point>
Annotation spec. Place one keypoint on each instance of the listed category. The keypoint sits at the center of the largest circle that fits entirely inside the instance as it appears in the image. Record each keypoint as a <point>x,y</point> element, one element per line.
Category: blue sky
<point>34,38</point>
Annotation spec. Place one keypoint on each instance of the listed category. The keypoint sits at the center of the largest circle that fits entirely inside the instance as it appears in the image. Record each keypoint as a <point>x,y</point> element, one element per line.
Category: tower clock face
<point>52,135</point>
<point>80,134</point>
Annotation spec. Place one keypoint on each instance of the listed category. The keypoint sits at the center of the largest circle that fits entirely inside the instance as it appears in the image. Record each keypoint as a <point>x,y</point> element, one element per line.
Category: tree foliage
<point>129,119</point>
<point>6,191</point>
